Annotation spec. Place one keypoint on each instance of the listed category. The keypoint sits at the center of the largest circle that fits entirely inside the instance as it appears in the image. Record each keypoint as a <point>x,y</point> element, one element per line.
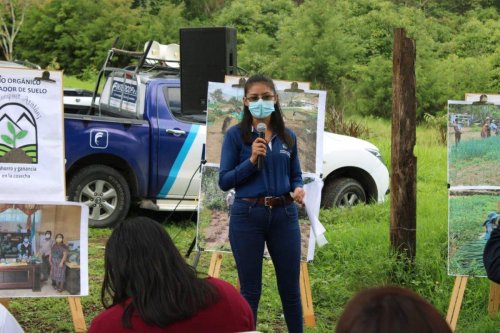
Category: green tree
<point>12,14</point>
<point>59,31</point>
<point>313,45</point>
<point>257,23</point>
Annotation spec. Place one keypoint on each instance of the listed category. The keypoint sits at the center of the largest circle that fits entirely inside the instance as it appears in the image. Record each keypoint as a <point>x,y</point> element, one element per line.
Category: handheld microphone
<point>261,130</point>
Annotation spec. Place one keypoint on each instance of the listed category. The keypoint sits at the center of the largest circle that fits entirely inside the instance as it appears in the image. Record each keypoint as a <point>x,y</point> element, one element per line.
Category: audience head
<point>390,309</point>
<point>142,264</point>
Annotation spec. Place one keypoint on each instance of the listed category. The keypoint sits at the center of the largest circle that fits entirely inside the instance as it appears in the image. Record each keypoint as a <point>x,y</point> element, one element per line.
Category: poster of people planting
<point>473,143</point>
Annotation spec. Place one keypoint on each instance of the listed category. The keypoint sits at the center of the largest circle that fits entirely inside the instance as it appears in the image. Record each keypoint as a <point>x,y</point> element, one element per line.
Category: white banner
<point>31,135</point>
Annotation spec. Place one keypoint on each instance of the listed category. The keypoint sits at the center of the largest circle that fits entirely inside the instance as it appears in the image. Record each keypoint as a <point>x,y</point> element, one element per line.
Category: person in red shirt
<point>152,288</point>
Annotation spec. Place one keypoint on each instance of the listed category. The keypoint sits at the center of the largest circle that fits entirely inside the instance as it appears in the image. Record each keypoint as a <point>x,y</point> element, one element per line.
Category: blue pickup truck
<point>133,145</point>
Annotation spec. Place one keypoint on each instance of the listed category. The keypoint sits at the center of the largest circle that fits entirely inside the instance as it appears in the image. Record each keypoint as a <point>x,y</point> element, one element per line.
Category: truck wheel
<point>342,192</point>
<point>104,191</point>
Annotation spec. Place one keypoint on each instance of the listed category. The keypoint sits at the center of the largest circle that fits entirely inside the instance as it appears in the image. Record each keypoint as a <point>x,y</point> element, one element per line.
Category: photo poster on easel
<point>31,135</point>
<point>474,178</point>
<point>25,249</point>
<point>303,112</point>
<point>473,143</point>
<point>32,190</point>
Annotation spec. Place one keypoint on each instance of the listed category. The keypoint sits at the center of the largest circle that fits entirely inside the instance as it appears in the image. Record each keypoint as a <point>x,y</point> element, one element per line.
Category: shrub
<point>335,122</point>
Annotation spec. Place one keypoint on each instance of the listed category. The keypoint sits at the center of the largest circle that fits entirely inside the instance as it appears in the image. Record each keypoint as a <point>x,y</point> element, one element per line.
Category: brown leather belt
<point>271,201</point>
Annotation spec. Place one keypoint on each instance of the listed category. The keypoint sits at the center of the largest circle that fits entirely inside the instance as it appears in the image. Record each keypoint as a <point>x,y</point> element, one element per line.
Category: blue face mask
<point>261,109</point>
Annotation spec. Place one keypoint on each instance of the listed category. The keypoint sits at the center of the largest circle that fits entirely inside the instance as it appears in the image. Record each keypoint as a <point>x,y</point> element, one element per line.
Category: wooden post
<point>75,307</point>
<point>457,297</point>
<point>403,162</point>
<point>215,264</point>
<point>494,299</point>
<point>306,296</point>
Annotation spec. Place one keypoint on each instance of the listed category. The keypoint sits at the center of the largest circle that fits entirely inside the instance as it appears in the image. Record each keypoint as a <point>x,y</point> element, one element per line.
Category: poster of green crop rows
<point>474,178</point>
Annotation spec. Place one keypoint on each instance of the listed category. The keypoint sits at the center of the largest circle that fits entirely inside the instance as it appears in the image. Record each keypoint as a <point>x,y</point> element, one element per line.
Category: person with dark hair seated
<point>390,309</point>
<point>491,254</point>
<point>152,288</point>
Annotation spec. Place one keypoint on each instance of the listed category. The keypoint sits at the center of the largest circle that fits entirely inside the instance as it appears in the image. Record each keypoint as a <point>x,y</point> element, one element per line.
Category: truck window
<point>173,96</point>
<point>120,96</point>
<point>173,99</point>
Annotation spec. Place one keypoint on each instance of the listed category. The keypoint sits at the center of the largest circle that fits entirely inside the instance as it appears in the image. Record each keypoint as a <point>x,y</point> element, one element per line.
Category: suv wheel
<point>342,192</point>
<point>104,191</point>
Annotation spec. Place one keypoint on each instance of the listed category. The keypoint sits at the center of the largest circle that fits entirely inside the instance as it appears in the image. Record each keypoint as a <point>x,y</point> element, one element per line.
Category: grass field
<point>74,82</point>
<point>357,256</point>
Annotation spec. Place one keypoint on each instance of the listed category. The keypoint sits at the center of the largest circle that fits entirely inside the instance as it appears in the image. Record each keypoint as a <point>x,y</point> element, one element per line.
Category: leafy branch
<point>438,122</point>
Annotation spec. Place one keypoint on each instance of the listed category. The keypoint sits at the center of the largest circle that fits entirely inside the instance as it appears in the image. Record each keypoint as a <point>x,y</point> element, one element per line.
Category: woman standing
<point>263,211</point>
<point>57,259</point>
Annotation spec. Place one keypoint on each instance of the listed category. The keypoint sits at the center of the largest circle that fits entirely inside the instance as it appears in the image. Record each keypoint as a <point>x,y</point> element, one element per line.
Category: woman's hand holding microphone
<point>259,148</point>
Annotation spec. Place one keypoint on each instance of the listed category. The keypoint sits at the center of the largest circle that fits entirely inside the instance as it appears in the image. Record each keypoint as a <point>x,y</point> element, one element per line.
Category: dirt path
<point>216,235</point>
<point>217,232</point>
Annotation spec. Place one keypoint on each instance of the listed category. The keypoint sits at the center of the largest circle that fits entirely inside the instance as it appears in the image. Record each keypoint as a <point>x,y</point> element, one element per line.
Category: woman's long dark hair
<point>143,264</point>
<point>277,123</point>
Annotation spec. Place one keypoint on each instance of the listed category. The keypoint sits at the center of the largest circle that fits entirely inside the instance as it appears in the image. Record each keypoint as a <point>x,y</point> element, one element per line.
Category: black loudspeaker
<point>207,54</point>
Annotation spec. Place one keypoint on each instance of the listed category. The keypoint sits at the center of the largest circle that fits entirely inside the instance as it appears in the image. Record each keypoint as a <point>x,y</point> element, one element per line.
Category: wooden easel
<point>305,287</point>
<point>75,307</point>
<point>457,297</point>
<point>494,299</point>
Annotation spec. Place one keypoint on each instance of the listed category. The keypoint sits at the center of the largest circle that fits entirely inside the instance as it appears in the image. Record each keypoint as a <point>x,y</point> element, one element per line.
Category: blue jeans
<point>251,226</point>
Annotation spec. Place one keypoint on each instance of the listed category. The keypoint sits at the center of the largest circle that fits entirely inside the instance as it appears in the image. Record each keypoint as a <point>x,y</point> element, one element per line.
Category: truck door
<point>179,148</point>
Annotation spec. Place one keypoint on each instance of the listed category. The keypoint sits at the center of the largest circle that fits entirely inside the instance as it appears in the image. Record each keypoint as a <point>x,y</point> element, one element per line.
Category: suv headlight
<point>376,153</point>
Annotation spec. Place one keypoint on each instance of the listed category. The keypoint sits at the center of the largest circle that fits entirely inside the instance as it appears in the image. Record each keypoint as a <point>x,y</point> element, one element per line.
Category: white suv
<point>353,172</point>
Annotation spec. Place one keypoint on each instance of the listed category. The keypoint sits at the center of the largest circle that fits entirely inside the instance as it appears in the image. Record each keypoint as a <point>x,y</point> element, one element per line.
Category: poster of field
<point>473,143</point>
<point>303,113</point>
<point>213,216</point>
<point>43,249</point>
<point>468,229</point>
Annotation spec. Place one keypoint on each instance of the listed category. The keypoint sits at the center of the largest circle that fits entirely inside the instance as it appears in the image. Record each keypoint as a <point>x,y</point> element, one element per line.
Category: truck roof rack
<point>147,67</point>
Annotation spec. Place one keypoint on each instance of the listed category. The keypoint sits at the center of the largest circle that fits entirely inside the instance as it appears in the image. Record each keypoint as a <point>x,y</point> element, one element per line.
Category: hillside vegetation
<point>342,46</point>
